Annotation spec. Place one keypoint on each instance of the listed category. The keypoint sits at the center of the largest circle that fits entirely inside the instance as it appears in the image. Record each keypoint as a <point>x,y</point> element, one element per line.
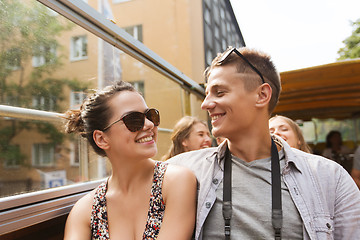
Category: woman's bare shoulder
<point>176,172</point>
<point>178,178</point>
<point>78,222</point>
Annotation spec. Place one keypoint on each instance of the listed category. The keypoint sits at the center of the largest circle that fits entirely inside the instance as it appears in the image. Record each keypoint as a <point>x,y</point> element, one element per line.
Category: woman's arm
<point>179,193</point>
<point>78,222</point>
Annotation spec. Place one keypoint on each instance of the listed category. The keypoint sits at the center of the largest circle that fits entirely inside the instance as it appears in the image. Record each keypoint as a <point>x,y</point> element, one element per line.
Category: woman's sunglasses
<point>134,121</point>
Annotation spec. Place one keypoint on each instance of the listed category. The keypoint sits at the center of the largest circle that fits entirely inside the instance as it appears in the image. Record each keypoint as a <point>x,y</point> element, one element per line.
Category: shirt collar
<point>290,156</point>
<point>219,154</point>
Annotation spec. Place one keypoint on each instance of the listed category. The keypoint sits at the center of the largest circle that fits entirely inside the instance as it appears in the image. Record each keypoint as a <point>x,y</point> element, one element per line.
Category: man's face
<point>230,106</point>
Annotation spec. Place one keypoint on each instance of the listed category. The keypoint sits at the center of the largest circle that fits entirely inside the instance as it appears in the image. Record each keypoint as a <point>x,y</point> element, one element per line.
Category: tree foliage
<point>352,43</point>
<point>28,31</point>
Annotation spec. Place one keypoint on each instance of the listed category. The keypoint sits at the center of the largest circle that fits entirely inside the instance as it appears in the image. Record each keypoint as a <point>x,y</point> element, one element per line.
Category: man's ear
<point>101,139</point>
<point>264,95</point>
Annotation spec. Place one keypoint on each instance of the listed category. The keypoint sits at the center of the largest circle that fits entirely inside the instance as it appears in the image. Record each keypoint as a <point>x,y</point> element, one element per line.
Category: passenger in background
<point>355,172</point>
<point>335,150</point>
<point>288,130</point>
<point>143,198</point>
<point>190,133</point>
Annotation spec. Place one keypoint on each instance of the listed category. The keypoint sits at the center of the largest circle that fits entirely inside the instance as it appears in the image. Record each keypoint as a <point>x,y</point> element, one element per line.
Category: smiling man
<point>254,186</point>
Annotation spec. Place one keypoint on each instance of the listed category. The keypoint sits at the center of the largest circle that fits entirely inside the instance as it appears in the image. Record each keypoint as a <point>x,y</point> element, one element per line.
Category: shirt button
<point>215,181</point>
<point>328,225</point>
<point>208,204</point>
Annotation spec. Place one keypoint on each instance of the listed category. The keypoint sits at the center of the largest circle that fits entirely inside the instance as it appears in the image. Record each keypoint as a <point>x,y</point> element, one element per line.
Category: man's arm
<point>347,208</point>
<point>355,174</point>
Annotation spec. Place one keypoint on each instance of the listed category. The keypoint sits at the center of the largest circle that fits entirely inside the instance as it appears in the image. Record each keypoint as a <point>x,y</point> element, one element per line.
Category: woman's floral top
<point>99,219</point>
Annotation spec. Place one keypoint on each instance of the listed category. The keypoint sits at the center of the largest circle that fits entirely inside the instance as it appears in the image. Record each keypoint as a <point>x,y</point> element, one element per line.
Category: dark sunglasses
<point>134,121</point>
<point>231,50</point>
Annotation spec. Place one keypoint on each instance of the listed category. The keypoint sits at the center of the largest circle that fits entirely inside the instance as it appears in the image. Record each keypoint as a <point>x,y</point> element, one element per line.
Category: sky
<point>296,34</point>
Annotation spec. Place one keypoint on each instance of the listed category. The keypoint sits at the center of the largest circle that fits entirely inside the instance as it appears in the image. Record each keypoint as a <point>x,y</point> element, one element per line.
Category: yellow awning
<point>325,91</point>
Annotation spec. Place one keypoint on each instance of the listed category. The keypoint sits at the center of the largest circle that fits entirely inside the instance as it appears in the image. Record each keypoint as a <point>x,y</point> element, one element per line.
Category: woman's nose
<point>148,124</point>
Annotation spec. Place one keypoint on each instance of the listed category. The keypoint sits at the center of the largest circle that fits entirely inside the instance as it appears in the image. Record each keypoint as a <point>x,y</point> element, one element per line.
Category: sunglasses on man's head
<point>134,121</point>
<point>231,50</point>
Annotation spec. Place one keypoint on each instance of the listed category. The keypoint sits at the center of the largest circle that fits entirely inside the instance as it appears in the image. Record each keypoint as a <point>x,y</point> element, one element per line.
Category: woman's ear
<point>264,95</point>
<point>101,140</point>
<point>184,144</point>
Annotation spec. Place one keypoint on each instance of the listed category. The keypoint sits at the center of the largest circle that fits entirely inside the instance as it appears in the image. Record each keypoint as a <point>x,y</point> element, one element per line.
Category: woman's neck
<point>130,174</point>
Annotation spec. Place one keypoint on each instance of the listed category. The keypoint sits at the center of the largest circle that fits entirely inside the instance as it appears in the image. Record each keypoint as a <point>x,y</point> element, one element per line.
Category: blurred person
<point>143,198</point>
<point>335,150</point>
<point>190,133</point>
<point>254,185</point>
<point>288,130</point>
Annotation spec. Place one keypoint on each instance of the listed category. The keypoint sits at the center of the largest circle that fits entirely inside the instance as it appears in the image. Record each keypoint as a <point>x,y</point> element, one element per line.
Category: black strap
<point>227,205</point>
<point>275,190</point>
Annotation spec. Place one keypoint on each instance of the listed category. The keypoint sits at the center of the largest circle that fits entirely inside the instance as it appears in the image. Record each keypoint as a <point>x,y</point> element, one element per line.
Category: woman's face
<point>281,128</point>
<point>123,142</point>
<point>198,138</point>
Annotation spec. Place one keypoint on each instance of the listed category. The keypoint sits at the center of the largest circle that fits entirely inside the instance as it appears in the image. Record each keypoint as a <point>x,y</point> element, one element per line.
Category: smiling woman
<point>288,130</point>
<point>190,133</point>
<point>118,124</point>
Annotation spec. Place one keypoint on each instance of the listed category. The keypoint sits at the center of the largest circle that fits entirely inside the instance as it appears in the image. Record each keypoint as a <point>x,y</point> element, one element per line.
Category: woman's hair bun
<point>75,123</point>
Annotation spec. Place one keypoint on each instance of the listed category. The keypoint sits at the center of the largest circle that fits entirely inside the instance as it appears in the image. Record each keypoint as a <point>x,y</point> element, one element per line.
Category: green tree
<point>352,43</point>
<point>28,42</point>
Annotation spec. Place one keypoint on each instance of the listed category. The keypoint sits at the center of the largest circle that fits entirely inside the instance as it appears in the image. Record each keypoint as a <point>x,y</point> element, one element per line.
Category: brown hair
<point>94,113</point>
<point>181,132</point>
<point>303,146</point>
<point>258,59</point>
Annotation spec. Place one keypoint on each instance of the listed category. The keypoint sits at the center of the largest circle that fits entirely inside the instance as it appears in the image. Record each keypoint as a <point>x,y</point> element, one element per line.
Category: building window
<point>217,31</point>
<point>224,45</point>
<point>209,56</point>
<point>44,55</point>
<point>43,155</point>
<point>13,58</point>
<point>135,32</point>
<point>139,86</point>
<point>76,99</point>
<point>222,14</point>
<point>12,159</point>
<point>207,16</point>
<point>44,103</point>
<point>78,48</point>
<point>74,153</point>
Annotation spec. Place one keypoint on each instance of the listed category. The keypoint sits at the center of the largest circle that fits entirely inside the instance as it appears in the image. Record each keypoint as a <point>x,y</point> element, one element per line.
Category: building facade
<point>66,61</point>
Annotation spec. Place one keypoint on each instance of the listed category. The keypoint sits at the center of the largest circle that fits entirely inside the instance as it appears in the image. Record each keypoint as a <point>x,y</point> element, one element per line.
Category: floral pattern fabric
<point>99,219</point>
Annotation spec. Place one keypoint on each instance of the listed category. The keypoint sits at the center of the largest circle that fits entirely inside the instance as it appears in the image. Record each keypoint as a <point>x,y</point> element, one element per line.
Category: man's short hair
<point>261,61</point>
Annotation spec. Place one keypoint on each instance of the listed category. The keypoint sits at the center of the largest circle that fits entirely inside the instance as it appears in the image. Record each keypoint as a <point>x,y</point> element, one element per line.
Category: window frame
<point>120,1</point>
<point>24,210</point>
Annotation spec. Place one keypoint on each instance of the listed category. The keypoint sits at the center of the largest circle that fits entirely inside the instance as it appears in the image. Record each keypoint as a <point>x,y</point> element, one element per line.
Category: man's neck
<point>250,148</point>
